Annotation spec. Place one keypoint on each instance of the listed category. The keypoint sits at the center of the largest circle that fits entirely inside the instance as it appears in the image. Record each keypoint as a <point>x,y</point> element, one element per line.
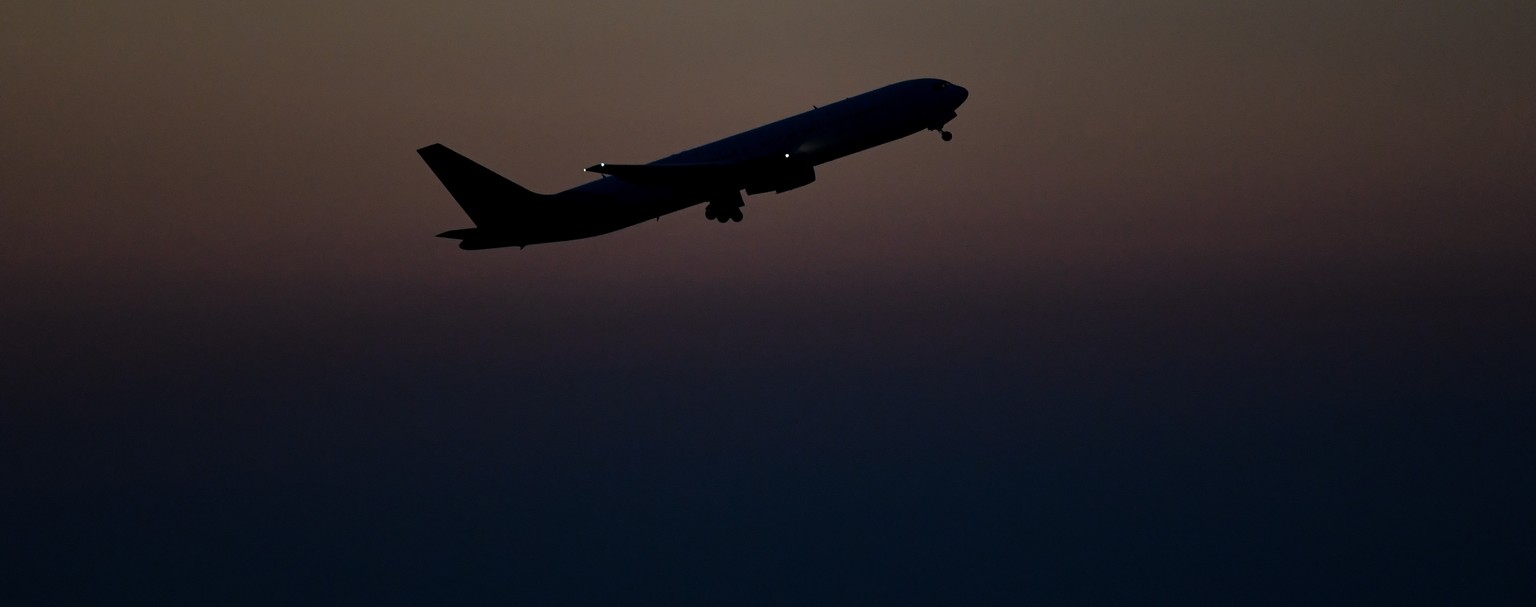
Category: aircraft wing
<point>764,175</point>
<point>678,175</point>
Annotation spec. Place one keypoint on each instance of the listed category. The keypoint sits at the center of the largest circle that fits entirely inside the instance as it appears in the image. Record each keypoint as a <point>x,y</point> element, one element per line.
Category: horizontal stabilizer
<point>461,234</point>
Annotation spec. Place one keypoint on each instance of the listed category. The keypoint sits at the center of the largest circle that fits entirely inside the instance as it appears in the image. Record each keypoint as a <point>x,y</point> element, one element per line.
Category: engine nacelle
<point>783,179</point>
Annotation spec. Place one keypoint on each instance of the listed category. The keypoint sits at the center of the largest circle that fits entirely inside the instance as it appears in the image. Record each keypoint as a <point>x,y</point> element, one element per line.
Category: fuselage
<point>832,131</point>
<point>774,157</point>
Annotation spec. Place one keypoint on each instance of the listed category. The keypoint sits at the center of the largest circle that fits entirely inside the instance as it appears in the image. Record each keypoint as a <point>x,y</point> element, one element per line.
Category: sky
<point>1206,302</point>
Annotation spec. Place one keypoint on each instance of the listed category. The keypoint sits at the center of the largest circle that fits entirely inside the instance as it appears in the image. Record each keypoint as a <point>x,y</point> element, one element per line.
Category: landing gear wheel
<point>946,135</point>
<point>709,212</point>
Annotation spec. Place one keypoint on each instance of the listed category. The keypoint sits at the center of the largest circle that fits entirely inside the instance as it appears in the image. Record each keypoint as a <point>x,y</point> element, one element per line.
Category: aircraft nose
<point>960,94</point>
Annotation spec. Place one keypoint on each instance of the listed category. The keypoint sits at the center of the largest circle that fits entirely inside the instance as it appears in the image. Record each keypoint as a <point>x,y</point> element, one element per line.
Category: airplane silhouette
<point>776,157</point>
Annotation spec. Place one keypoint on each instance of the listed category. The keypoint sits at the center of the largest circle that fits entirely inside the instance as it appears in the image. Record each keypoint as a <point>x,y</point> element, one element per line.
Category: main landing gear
<point>946,135</point>
<point>725,208</point>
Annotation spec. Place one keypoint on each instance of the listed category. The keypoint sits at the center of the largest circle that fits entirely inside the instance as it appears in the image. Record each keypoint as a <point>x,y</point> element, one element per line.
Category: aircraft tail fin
<point>488,198</point>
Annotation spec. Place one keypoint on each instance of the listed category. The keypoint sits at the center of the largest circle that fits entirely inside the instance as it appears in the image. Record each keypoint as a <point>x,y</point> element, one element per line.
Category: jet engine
<point>782,178</point>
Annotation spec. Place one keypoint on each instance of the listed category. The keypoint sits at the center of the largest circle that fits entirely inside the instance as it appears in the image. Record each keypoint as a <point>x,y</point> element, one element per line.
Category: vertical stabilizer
<point>489,199</point>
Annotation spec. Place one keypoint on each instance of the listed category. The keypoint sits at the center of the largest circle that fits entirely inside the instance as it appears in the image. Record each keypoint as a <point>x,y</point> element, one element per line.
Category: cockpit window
<point>940,85</point>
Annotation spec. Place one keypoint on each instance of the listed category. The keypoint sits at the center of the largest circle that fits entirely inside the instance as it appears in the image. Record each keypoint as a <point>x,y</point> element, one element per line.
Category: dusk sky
<point>1207,302</point>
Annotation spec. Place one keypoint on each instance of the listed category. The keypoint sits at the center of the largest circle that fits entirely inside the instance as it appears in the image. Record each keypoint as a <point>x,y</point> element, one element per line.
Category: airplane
<point>777,157</point>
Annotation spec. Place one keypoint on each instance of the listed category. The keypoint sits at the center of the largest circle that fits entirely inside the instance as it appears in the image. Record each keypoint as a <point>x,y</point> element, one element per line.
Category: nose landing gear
<point>946,135</point>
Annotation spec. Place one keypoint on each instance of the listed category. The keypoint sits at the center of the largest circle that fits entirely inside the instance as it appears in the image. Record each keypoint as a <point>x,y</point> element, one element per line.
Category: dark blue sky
<point>1204,304</point>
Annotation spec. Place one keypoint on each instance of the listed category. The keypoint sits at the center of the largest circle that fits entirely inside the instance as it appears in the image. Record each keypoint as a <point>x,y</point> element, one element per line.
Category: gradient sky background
<point>1207,302</point>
